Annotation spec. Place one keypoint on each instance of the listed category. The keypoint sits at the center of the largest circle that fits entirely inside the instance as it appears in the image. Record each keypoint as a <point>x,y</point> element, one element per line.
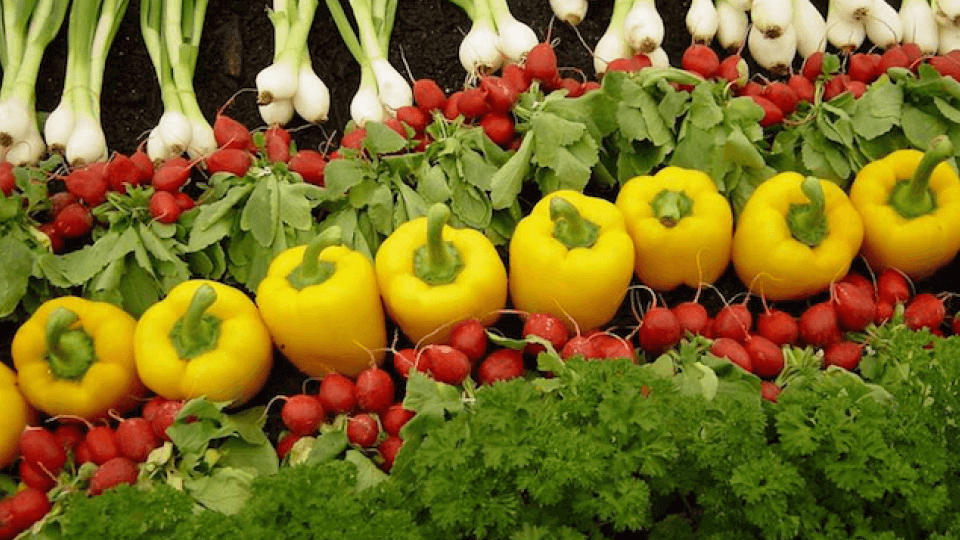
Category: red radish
<point>733,321</point>
<point>285,444</point>
<point>856,88</point>
<point>515,76</point>
<point>338,394</point>
<point>102,444</point>
<point>230,133</point>
<point>501,95</point>
<point>836,85</point>
<point>229,160</point>
<point>395,418</point>
<point>733,69</point>
<point>580,345</point>
<point>82,454</point>
<point>277,144</point>
<point>803,86</point>
<point>765,356</point>
<point>864,67</point>
<point>861,282</point>
<point>428,95</point>
<point>627,65</point>
<point>144,166</point>
<point>172,174</point>
<point>164,207</point>
<point>750,89</point>
<point>69,436</point>
<point>854,306</point>
<point>779,327</point>
<point>783,96</point>
<point>545,326</point>
<point>413,117</point>
<point>709,330</point>
<point>184,201</point>
<point>375,390</point>
<point>893,287</point>
<point>924,311</point>
<point>770,390</point>
<point>73,221</point>
<point>40,447</point>
<point>500,365</point>
<point>152,407</point>
<point>469,337</point>
<point>946,66</point>
<point>499,127</point>
<point>122,172</point>
<point>692,316</point>
<point>732,350</point>
<point>884,313</point>
<point>165,416</point>
<point>541,63</point>
<point>8,182</point>
<point>572,86</point>
<point>659,330</point>
<point>60,200</point>
<point>363,430</point>
<point>302,414</point>
<point>404,359</point>
<point>26,507</point>
<point>86,185</point>
<point>891,58</point>
<point>117,471</point>
<point>451,110</point>
<point>310,165</point>
<point>353,138</point>
<point>819,325</point>
<point>473,102</point>
<point>914,53</point>
<point>34,476</point>
<point>397,127</point>
<point>813,66</point>
<point>700,59</point>
<point>388,449</point>
<point>609,347</point>
<point>771,113</point>
<point>448,365</point>
<point>641,61</point>
<point>9,527</point>
<point>136,439</point>
<point>845,354</point>
<point>56,239</point>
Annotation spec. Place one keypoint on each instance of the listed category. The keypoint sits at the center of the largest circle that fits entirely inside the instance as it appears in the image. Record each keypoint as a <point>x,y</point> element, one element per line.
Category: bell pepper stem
<point>913,198</point>
<point>313,271</point>
<point>70,352</point>
<point>808,222</point>
<point>437,262</point>
<point>671,206</point>
<point>197,331</point>
<point>569,227</point>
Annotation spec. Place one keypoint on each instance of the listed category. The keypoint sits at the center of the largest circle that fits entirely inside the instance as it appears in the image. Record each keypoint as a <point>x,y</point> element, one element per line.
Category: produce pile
<point>677,301</point>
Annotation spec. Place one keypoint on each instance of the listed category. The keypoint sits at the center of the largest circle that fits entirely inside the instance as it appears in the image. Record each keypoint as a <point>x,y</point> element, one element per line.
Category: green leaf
<point>361,194</point>
<point>410,203</point>
<point>368,474</point>
<point>138,288</point>
<point>15,266</point>
<point>477,171</point>
<point>380,209</point>
<point>213,213</point>
<point>340,175</point>
<point>878,110</point>
<point>295,209</point>
<point>470,204</point>
<point>507,183</point>
<point>381,139</point>
<point>240,454</point>
<point>328,446</point>
<point>213,233</point>
<point>432,185</point>
<point>261,213</point>
<point>920,127</point>
<point>704,112</point>
<point>224,490</point>
<point>740,150</point>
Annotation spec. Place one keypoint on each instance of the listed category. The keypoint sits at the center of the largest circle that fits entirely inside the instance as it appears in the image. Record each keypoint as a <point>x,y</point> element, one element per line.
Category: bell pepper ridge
<point>570,227</point>
<point>197,331</point>
<point>313,271</point>
<point>671,206</point>
<point>437,262</point>
<point>914,198</point>
<point>70,351</point>
<point>808,222</point>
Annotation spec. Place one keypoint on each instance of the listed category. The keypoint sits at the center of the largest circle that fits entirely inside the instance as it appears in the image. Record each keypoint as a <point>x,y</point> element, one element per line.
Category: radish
<point>501,94</point>
<point>68,436</point>
<point>579,345</point>
<point>499,127</point>
<point>172,174</point>
<point>277,144</point>
<point>500,365</point>
<point>102,444</point>
<point>55,238</point>
<point>363,430</point>
<point>136,439</point>
<point>117,471</point>
<point>164,207</point>
<point>375,390</point>
<point>235,161</point>
<point>854,306</point>
<point>894,57</point>
<point>152,407</point>
<point>733,321</point>
<point>609,346</point>
<point>572,86</point>
<point>60,200</point>
<point>338,394</point>
<point>893,287</point>
<point>772,114</point>
<point>732,350</point>
<point>545,326</point>
<point>302,414</point>
<point>733,69</point>
<point>779,327</point>
<point>35,476</point>
<point>73,221</point>
<point>765,356</point>
<point>144,166</point>
<point>473,103</point>
<point>769,390</point>
<point>285,444</point>
<point>812,66</point>
<point>88,186</point>
<point>39,447</point>
<point>924,311</point>
<point>184,201</point>
<point>448,365</point>
<point>310,165</point>
<point>230,133</point>
<point>659,330</point>
<point>82,454</point>
<point>515,77</point>
<point>860,281</point>
<point>122,172</point>
<point>836,85</point>
<point>428,95</point>
<point>164,417</point>
<point>783,96</point>
<point>452,108</point>
<point>819,325</point>
<point>692,316</point>
<point>845,354</point>
<point>19,512</point>
<point>395,418</point>
<point>803,87</point>
<point>541,63</point>
<point>413,117</point>
<point>864,67</point>
<point>404,359</point>
<point>397,127</point>
<point>388,449</point>
<point>354,138</point>
<point>700,59</point>
<point>884,313</point>
<point>469,337</point>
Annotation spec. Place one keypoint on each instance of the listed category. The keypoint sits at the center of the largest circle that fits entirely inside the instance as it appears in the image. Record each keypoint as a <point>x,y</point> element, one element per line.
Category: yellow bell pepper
<point>75,357</point>
<point>795,236</point>
<point>910,204</point>
<point>571,257</point>
<point>322,306</point>
<point>432,276</point>
<point>16,415</point>
<point>681,226</point>
<point>204,339</point>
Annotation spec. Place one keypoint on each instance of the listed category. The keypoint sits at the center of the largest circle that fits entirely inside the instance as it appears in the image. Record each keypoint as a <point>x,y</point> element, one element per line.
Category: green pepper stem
<point>571,228</point>
<point>313,271</point>
<point>197,332</point>
<point>437,262</point>
<point>914,198</point>
<point>671,206</point>
<point>808,222</point>
<point>70,352</point>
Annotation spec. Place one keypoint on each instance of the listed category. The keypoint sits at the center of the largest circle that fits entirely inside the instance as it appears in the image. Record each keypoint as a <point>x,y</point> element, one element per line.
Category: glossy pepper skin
<point>795,236</point>
<point>16,415</point>
<point>910,204</point>
<point>681,226</point>
<point>432,276</point>
<point>75,356</point>
<point>322,306</point>
<point>204,339</point>
<point>571,257</point>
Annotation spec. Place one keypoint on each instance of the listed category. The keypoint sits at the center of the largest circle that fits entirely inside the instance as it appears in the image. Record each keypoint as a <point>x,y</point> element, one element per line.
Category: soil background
<point>238,42</point>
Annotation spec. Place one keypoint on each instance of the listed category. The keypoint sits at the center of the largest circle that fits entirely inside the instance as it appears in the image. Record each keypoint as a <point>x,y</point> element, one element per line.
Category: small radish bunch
<point>20,511</point>
<point>43,457</point>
